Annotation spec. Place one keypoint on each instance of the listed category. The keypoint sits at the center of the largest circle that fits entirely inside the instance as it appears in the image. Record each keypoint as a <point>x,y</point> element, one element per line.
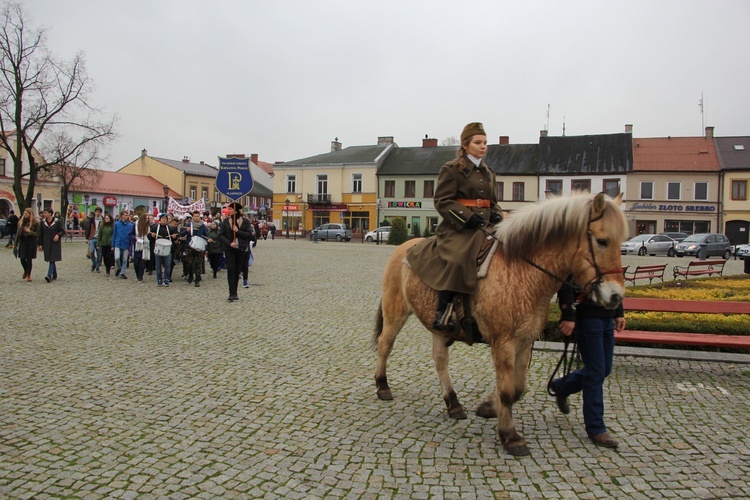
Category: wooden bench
<point>71,233</point>
<point>681,338</point>
<point>645,272</point>
<point>699,268</point>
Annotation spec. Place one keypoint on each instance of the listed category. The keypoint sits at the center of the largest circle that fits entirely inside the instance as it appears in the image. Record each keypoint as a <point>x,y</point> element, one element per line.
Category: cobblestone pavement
<point>111,388</point>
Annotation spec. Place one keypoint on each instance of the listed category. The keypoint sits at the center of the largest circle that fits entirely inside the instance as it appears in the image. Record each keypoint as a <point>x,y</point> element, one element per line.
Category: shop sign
<point>109,201</point>
<point>673,208</point>
<point>331,207</point>
<point>404,204</point>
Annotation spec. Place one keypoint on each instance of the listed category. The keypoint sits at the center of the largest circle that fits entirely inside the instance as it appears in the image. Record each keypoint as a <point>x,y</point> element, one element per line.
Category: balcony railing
<point>318,198</point>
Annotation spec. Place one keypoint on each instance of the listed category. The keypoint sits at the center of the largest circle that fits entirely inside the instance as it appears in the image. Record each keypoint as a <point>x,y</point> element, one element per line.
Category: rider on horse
<point>465,198</point>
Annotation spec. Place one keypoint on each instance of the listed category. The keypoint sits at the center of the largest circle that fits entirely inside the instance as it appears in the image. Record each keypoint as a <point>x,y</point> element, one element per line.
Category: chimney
<point>429,143</point>
<point>385,140</point>
<point>628,128</point>
<point>504,140</point>
<point>709,132</point>
<point>144,153</point>
<point>202,162</point>
<point>185,159</point>
<point>335,145</point>
<point>254,158</point>
<point>236,155</point>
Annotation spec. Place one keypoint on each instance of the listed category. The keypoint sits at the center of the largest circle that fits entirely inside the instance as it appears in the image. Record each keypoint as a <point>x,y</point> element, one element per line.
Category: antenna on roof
<point>563,125</point>
<point>546,127</point>
<point>703,116</point>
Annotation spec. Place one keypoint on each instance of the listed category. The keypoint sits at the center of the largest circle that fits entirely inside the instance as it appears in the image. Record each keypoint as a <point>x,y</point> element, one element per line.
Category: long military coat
<point>447,261</point>
<point>52,249</point>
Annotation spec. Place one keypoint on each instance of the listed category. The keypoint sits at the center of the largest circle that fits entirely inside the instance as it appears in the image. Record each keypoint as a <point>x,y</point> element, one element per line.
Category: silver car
<point>338,232</point>
<point>704,245</point>
<point>649,244</point>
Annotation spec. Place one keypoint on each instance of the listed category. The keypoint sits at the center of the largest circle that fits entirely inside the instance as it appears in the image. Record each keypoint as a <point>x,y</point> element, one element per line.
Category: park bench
<point>699,268</point>
<point>682,338</point>
<point>645,272</point>
<point>72,233</point>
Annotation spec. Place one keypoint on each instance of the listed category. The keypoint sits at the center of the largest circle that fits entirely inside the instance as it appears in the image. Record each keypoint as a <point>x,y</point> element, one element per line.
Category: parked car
<point>676,236</point>
<point>704,245</point>
<point>3,227</point>
<point>650,244</point>
<point>338,232</point>
<point>381,233</point>
<point>742,251</point>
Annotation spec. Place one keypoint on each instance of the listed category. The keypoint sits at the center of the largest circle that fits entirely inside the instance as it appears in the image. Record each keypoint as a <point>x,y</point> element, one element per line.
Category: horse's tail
<point>378,325</point>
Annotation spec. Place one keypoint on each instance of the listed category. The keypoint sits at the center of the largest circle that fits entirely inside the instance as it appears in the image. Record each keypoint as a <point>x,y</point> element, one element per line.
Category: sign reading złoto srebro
<point>234,179</point>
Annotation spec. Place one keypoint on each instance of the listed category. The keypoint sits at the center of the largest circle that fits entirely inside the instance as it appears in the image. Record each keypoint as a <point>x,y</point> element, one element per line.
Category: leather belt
<point>478,203</point>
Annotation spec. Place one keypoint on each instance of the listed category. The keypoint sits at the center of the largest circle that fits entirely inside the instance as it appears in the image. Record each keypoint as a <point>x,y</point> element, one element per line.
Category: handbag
<point>163,246</point>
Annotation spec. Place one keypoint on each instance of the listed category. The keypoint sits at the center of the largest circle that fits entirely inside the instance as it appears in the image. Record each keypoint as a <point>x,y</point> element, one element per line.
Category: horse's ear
<point>597,207</point>
<point>618,200</point>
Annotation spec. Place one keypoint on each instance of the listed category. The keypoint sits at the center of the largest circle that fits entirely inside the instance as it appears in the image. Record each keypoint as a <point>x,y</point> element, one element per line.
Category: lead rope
<point>566,361</point>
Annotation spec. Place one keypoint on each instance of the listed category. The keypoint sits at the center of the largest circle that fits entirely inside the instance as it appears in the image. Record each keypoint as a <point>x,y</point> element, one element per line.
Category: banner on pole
<point>234,179</point>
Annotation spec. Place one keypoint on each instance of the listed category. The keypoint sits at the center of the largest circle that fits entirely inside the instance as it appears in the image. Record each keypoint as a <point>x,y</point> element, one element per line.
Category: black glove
<point>474,221</point>
<point>495,218</point>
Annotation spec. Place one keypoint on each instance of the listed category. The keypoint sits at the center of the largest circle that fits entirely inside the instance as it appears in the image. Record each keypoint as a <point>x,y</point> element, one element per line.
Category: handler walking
<point>235,235</point>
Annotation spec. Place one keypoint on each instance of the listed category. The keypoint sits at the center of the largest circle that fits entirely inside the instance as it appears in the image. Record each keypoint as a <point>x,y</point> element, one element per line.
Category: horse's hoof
<point>486,410</point>
<point>518,449</point>
<point>385,395</point>
<point>457,413</point>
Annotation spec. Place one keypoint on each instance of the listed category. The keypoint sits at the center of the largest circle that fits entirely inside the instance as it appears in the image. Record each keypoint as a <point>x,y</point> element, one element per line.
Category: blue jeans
<point>52,270</point>
<point>596,343</point>
<point>96,254</point>
<point>166,262</point>
<point>121,260</point>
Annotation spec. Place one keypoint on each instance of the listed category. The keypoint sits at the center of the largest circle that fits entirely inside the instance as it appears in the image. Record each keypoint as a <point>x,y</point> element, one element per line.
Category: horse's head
<point>597,265</point>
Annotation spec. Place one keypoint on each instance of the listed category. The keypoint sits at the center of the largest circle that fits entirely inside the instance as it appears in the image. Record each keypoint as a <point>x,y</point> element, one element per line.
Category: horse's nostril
<point>617,298</point>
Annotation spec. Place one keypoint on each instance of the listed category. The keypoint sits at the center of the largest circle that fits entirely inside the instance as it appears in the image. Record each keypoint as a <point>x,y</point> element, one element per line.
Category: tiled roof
<point>417,160</point>
<point>350,155</point>
<point>594,154</point>
<point>127,184</point>
<point>201,169</point>
<point>267,167</point>
<point>674,154</point>
<point>513,159</point>
<point>733,152</point>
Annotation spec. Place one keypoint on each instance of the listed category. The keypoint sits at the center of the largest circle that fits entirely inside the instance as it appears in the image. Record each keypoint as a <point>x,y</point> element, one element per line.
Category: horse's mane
<point>553,222</point>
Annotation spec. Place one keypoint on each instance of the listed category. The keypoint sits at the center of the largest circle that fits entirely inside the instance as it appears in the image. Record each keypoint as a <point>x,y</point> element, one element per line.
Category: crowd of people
<point>146,245</point>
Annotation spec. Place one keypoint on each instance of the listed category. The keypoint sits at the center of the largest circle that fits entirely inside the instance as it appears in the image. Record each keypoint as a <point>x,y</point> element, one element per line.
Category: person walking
<point>235,235</point>
<point>594,329</point>
<point>141,247</point>
<point>121,243</point>
<point>90,231</point>
<point>104,242</point>
<point>11,225</point>
<point>465,198</point>
<point>214,247</point>
<point>50,242</point>
<point>163,231</point>
<point>27,236</point>
<point>193,232</point>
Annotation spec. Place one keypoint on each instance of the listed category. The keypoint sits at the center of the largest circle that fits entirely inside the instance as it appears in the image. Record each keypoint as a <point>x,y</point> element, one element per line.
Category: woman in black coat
<point>50,241</point>
<point>26,241</point>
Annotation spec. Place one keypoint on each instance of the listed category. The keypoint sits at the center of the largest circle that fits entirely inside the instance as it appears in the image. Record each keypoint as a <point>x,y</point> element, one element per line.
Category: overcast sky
<point>283,78</point>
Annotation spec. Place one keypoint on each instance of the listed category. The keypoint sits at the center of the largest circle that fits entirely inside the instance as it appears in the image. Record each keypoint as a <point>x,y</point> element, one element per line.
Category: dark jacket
<point>566,298</point>
<point>245,234</point>
<point>214,246</point>
<point>27,242</point>
<point>11,224</point>
<point>52,249</point>
<point>447,261</point>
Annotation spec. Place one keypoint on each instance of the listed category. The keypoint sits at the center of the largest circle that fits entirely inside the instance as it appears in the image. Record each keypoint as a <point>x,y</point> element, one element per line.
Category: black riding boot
<point>444,298</point>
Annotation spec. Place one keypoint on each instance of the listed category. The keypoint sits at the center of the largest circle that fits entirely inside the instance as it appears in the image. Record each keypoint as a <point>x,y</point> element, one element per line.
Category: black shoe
<point>231,298</point>
<point>190,279</point>
<point>197,283</point>
<point>117,273</point>
<point>214,274</point>
<point>562,401</point>
<point>236,297</point>
<point>48,279</point>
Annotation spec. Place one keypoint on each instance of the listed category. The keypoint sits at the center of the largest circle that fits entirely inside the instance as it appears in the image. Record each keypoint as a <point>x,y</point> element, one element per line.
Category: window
<point>673,190</point>
<point>429,189</point>
<point>432,223</point>
<point>193,192</point>
<point>581,185</point>
<point>647,190</point>
<point>217,197</point>
<point>255,202</point>
<point>291,183</point>
<point>390,189</point>
<point>519,189</point>
<point>321,183</point>
<point>247,201</point>
<point>410,189</point>
<point>2,167</point>
<point>611,187</point>
<point>499,189</point>
<point>739,190</point>
<point>701,191</point>
<point>356,183</point>
<point>553,188</point>
<point>204,194</point>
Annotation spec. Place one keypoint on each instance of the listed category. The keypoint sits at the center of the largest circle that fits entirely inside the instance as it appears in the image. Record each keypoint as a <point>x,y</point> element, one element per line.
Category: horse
<point>574,239</point>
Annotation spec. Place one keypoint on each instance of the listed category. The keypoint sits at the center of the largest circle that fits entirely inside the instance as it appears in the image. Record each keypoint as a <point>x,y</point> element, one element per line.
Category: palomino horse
<point>576,238</point>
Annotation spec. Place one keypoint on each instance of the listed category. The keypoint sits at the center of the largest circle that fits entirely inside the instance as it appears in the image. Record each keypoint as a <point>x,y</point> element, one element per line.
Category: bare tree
<point>44,106</point>
<point>450,141</point>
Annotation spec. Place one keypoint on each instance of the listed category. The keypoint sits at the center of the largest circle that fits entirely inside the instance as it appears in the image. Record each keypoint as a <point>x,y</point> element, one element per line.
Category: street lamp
<point>166,197</point>
<point>86,199</point>
<point>286,207</point>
